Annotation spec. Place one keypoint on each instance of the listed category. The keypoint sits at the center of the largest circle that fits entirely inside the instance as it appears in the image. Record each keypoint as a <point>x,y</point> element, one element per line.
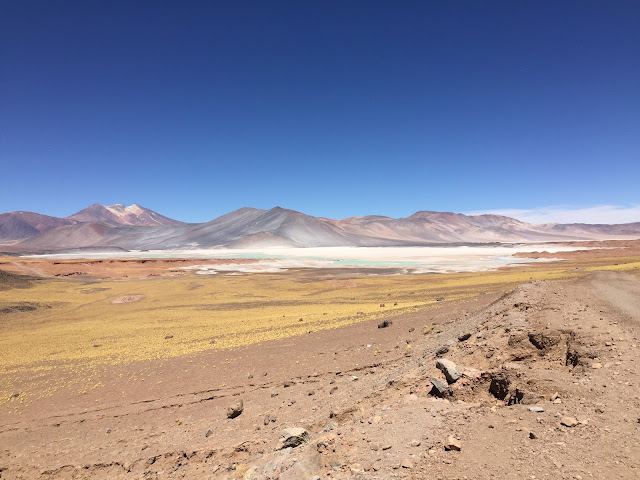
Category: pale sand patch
<point>128,299</point>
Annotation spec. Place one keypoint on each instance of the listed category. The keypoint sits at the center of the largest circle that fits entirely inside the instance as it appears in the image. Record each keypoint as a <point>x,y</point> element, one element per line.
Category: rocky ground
<point>541,382</point>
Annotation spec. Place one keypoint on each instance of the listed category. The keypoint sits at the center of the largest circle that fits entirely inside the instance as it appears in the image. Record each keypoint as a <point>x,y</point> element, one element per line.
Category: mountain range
<point>138,228</point>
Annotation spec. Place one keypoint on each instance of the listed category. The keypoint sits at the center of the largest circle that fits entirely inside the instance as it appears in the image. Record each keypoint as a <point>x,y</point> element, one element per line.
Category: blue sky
<point>332,108</point>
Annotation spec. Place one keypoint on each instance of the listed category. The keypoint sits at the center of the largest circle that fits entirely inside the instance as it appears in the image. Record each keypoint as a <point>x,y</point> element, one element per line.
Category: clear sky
<point>333,108</point>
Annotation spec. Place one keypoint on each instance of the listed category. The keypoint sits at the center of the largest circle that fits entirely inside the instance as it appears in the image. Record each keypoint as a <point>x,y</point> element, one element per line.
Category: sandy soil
<point>568,348</point>
<point>592,250</point>
<point>108,268</point>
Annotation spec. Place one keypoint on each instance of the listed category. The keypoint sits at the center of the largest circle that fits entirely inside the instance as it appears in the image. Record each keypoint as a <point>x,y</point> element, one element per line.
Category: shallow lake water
<point>423,259</point>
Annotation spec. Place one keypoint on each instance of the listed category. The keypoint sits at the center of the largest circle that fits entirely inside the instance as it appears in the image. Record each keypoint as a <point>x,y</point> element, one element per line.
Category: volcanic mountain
<point>136,228</point>
<point>24,225</point>
<point>119,215</point>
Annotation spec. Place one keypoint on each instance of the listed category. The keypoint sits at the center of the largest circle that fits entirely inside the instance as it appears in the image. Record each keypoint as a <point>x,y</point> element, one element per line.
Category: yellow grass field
<point>80,325</point>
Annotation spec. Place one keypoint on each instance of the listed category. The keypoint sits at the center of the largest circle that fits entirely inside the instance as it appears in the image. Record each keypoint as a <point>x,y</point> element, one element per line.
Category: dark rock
<point>499,386</point>
<point>385,324</point>
<point>439,388</point>
<point>543,341</point>
<point>208,434</point>
<point>440,299</point>
<point>293,437</point>
<point>464,336</point>
<point>572,357</point>
<point>516,397</point>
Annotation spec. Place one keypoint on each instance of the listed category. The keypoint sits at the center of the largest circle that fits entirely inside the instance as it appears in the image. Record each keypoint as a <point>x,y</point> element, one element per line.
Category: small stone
<point>596,366</point>
<point>415,443</point>
<point>330,426</point>
<point>569,421</point>
<point>442,350</point>
<point>532,436</point>
<point>108,431</point>
<point>464,337</point>
<point>235,410</point>
<point>208,434</point>
<point>385,324</point>
<point>406,463</point>
<point>452,443</point>
<point>536,409</point>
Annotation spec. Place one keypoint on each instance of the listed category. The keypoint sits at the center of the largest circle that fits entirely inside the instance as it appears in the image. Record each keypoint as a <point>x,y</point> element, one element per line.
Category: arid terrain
<point>142,369</point>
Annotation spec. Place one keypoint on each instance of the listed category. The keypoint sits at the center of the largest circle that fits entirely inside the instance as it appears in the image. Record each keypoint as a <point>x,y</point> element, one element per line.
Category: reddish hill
<point>20,225</point>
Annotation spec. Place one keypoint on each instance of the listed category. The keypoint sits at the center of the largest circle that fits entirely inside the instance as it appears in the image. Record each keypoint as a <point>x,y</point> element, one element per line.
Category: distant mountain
<point>119,215</point>
<point>137,228</point>
<point>19,225</point>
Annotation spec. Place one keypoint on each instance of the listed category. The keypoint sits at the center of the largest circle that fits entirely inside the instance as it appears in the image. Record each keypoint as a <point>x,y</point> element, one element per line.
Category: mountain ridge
<point>138,228</point>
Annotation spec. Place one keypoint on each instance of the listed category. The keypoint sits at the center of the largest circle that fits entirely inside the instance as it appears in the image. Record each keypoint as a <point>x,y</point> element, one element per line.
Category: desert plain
<point>152,368</point>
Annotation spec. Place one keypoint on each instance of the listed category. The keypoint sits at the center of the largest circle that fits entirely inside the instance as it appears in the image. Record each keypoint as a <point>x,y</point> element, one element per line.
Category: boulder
<point>439,388</point>
<point>448,368</point>
<point>235,410</point>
